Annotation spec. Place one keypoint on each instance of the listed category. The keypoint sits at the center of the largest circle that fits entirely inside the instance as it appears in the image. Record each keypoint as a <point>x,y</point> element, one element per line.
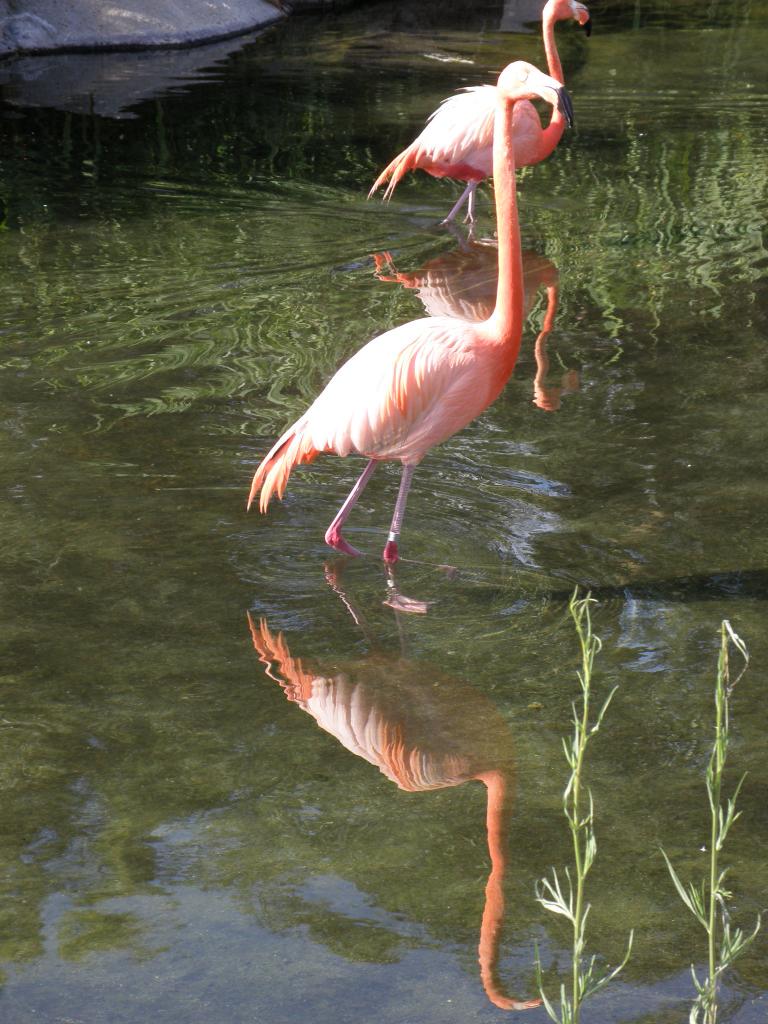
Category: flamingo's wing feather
<point>403,392</point>
<point>457,141</point>
<point>461,125</point>
<point>399,395</point>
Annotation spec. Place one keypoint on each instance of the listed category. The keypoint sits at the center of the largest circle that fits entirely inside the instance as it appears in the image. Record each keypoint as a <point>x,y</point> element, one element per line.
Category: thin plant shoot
<point>708,901</point>
<point>566,897</point>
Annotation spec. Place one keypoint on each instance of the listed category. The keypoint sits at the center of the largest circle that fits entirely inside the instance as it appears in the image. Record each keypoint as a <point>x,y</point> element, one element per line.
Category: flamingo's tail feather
<point>293,449</point>
<point>394,171</point>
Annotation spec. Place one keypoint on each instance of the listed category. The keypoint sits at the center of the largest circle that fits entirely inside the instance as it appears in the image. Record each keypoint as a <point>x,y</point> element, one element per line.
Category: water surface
<point>180,841</point>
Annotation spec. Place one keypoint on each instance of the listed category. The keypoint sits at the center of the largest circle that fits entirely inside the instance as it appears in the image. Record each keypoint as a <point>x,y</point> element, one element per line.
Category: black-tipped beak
<point>587,26</point>
<point>564,105</point>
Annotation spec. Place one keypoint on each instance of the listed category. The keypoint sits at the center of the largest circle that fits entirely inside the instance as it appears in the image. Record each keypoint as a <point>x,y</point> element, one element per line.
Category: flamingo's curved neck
<point>557,122</point>
<point>506,321</point>
<point>550,46</point>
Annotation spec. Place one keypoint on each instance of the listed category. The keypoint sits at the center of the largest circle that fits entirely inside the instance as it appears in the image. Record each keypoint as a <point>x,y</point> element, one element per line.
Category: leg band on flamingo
<point>390,553</point>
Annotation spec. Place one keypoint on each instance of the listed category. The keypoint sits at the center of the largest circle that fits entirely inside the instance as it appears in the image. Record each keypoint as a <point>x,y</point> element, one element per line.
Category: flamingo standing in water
<point>416,385</point>
<point>457,141</point>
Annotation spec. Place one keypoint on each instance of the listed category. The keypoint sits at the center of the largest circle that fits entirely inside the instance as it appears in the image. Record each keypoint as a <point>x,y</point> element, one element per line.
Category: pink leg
<point>470,218</point>
<point>333,533</point>
<point>390,548</point>
<point>468,192</point>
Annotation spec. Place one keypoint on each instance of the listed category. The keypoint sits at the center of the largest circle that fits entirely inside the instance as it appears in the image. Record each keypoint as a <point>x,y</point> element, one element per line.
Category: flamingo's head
<point>563,10</point>
<point>581,14</point>
<point>523,81</point>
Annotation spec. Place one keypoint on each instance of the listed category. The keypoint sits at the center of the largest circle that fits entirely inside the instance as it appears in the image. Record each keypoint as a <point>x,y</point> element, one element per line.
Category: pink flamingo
<point>416,385</point>
<point>423,731</point>
<point>457,141</point>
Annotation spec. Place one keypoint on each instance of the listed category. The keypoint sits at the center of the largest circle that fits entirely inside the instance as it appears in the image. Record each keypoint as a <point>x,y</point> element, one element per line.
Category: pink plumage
<point>397,397</point>
<point>457,141</point>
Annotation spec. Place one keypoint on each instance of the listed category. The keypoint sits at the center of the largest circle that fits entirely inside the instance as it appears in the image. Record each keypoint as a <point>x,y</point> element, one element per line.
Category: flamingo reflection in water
<point>423,731</point>
<point>462,283</point>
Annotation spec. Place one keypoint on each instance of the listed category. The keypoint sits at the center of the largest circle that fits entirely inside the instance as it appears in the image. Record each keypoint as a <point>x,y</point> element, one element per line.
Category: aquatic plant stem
<point>714,787</point>
<point>724,944</point>
<point>569,900</point>
<point>588,650</point>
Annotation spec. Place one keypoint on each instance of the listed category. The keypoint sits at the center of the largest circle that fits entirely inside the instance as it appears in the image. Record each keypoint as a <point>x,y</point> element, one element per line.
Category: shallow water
<point>179,841</point>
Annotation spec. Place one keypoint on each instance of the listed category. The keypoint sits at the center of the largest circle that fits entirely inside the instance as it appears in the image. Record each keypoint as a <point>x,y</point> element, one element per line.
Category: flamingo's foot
<point>390,554</point>
<point>400,603</point>
<point>334,539</point>
<point>504,1003</point>
<point>397,601</point>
